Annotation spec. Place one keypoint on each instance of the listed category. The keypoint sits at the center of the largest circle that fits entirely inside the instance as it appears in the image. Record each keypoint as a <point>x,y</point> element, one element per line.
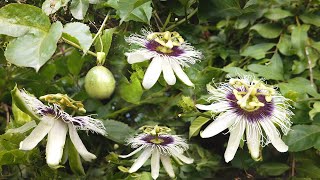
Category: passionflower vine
<point>55,123</point>
<point>160,145</point>
<point>245,104</point>
<point>168,53</point>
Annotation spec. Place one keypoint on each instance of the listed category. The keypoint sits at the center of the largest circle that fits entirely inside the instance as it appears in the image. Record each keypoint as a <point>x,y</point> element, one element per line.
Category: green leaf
<point>299,37</point>
<point>273,70</point>
<point>196,126</point>
<point>285,46</point>
<point>268,31</point>
<point>308,18</point>
<point>136,10</point>
<point>277,13</point>
<point>236,71</point>
<point>34,50</point>
<point>257,51</point>
<point>272,169</point>
<point>106,39</point>
<point>79,8</point>
<point>131,92</point>
<point>18,19</point>
<point>74,158</point>
<point>302,137</point>
<point>308,170</point>
<point>81,32</point>
<point>117,131</point>
<point>52,6</point>
<point>299,85</point>
<point>315,110</point>
<point>75,62</point>
<point>298,67</point>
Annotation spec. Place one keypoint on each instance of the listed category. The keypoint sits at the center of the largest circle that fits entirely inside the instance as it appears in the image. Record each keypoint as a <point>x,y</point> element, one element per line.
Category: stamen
<point>246,93</point>
<point>63,100</point>
<point>167,40</point>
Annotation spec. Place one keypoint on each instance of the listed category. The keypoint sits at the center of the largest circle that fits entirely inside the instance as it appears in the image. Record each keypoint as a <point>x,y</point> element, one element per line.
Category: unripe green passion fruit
<point>99,82</point>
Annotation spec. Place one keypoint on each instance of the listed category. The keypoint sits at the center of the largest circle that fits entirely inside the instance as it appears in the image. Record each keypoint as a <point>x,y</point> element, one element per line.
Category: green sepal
<point>74,159</point>
<point>21,104</point>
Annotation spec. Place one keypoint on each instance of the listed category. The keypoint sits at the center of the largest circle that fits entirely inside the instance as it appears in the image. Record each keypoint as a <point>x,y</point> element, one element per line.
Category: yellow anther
<point>247,98</point>
<point>256,104</point>
<point>268,98</point>
<point>166,39</point>
<point>155,130</point>
<point>64,101</point>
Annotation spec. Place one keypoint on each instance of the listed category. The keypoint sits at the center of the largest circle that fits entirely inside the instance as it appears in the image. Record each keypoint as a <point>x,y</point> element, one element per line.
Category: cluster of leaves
<point>49,46</point>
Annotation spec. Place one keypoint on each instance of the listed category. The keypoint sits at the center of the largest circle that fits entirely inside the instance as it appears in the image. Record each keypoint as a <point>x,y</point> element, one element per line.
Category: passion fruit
<point>99,82</point>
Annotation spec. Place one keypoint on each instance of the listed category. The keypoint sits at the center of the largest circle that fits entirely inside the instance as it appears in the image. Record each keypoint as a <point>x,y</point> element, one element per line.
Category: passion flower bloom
<point>245,104</point>
<point>168,53</point>
<point>157,143</point>
<point>55,123</point>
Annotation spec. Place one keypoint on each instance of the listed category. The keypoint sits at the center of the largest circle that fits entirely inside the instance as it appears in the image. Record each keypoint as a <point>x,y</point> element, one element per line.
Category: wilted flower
<point>167,51</point>
<point>157,143</point>
<point>56,123</point>
<point>251,105</point>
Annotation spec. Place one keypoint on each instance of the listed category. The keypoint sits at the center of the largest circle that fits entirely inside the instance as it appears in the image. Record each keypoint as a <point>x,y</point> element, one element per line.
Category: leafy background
<point>46,47</point>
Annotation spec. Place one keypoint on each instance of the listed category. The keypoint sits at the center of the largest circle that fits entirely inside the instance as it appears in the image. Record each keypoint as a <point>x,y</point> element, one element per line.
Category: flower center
<point>247,94</point>
<point>154,134</point>
<point>166,40</point>
<point>158,140</point>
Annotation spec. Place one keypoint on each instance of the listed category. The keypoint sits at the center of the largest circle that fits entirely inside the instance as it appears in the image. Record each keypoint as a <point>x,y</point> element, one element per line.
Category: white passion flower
<point>55,123</point>
<point>245,104</point>
<point>157,143</point>
<point>168,53</point>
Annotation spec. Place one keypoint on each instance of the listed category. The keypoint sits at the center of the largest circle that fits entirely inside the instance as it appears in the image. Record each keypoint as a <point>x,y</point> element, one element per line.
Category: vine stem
<point>94,38</point>
<point>309,66</point>
<point>166,22</point>
<point>101,27</point>
<point>77,46</point>
<point>195,115</point>
<point>182,20</point>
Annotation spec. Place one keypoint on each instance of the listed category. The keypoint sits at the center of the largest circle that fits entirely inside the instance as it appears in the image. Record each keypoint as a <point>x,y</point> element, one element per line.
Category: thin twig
<point>293,166</point>
<point>309,66</point>
<point>77,46</point>
<point>182,20</point>
<point>101,27</point>
<point>166,22</point>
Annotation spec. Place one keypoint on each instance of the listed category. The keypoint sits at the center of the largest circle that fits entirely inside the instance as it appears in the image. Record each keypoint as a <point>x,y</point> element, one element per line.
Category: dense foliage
<point>48,46</point>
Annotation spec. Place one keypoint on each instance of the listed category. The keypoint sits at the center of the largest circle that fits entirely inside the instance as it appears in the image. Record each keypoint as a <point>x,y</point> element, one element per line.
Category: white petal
<point>144,156</point>
<point>155,164</point>
<point>38,133</point>
<point>253,141</point>
<point>136,57</point>
<point>153,73</point>
<point>274,136</point>
<point>183,158</point>
<point>132,153</point>
<point>205,107</point>
<point>166,162</point>
<point>76,141</point>
<point>168,72</point>
<point>222,122</point>
<point>234,140</point>
<point>55,143</point>
<point>181,75</point>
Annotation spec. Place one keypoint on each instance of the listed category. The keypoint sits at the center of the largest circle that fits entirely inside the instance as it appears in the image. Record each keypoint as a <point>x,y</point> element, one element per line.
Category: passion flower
<point>246,104</point>
<point>99,82</point>
<point>168,53</point>
<point>157,143</point>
